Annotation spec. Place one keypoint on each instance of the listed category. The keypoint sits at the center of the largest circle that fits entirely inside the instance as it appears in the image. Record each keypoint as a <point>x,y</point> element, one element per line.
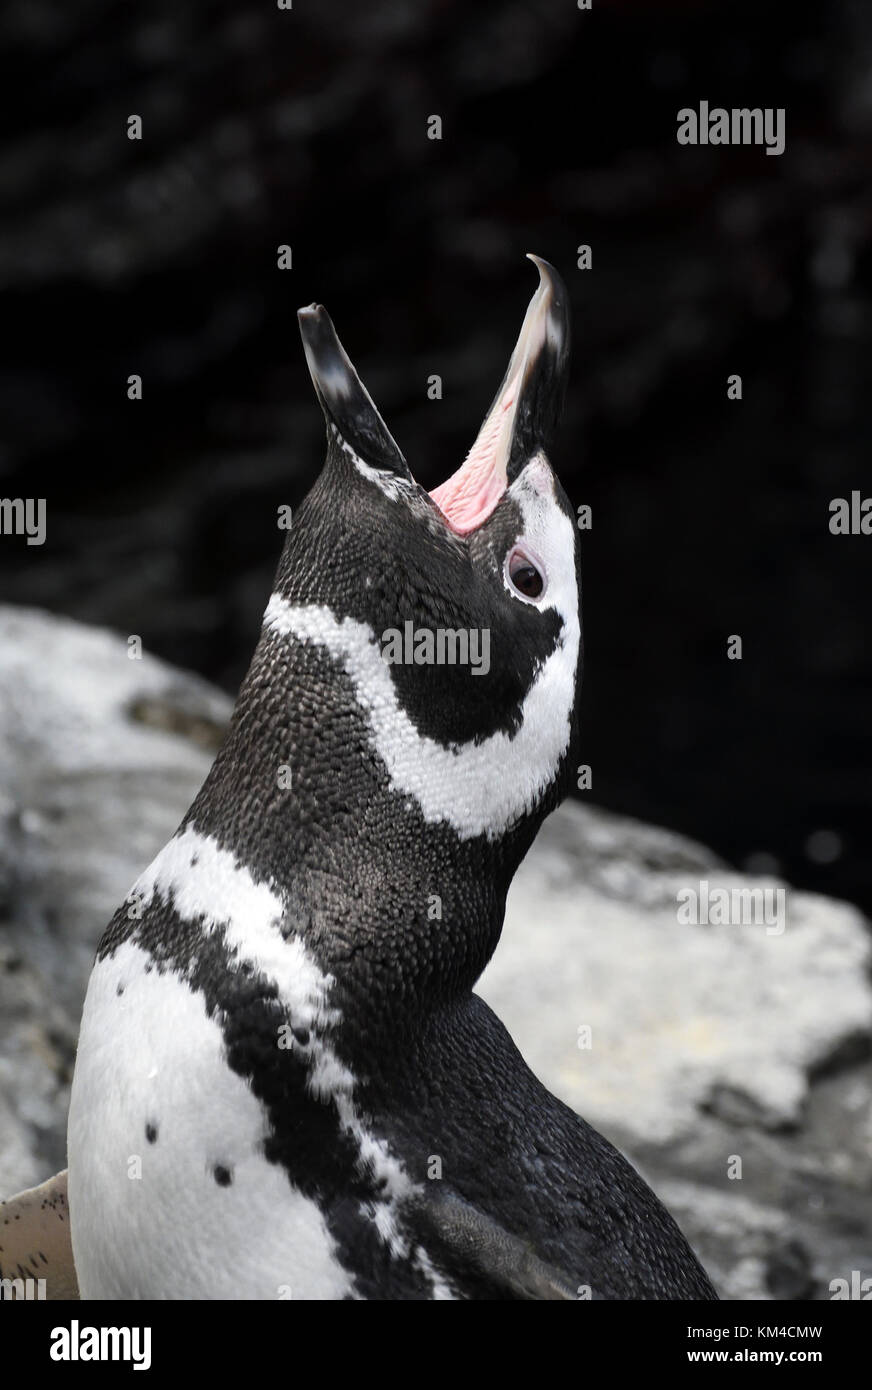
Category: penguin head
<point>451,619</point>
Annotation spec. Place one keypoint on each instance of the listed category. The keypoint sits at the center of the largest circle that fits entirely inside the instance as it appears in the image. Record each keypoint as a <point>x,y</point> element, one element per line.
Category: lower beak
<point>524,414</point>
<point>345,401</point>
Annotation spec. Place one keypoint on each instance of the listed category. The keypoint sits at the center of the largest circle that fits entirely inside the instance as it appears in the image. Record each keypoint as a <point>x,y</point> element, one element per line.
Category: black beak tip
<point>543,386</point>
<point>552,288</point>
<point>550,276</point>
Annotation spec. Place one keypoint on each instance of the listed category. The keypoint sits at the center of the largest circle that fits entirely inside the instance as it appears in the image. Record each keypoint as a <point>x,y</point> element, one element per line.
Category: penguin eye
<point>524,575</point>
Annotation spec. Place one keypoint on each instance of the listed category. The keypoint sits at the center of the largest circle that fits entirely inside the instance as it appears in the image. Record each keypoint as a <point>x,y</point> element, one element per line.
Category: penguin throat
<point>470,495</point>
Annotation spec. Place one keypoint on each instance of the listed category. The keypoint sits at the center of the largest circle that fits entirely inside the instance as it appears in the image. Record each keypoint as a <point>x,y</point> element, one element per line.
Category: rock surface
<point>712,1049</point>
<point>99,759</point>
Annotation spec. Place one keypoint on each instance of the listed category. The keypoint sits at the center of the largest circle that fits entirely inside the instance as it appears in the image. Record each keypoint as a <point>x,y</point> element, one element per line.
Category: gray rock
<point>731,1063</point>
<point>100,757</point>
<point>728,1018</point>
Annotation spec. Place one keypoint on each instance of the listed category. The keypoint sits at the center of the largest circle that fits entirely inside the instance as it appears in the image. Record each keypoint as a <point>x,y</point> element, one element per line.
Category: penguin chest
<point>171,1194</point>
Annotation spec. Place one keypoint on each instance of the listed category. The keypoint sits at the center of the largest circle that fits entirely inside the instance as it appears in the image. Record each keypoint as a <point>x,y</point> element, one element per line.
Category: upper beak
<point>525,411</point>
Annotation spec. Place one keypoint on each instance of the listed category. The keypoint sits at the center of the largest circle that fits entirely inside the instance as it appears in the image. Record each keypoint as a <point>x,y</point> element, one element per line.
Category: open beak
<point>524,414</point>
<point>518,426</point>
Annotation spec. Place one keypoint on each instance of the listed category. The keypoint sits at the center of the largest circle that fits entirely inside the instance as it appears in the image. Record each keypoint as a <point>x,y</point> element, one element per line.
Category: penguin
<point>285,1085</point>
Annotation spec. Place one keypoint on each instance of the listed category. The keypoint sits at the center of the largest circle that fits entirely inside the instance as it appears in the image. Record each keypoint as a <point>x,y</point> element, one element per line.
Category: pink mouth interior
<point>468,497</point>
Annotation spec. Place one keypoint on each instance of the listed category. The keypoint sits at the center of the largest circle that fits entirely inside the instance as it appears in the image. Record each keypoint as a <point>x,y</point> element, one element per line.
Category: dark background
<point>309,127</point>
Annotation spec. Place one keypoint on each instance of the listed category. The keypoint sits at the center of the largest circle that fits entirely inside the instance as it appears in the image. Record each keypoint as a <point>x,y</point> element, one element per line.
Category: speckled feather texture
<point>285,1086</point>
<point>35,1252</point>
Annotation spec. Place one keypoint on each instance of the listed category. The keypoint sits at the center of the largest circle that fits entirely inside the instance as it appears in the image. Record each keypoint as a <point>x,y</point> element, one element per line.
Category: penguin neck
<point>402,914</point>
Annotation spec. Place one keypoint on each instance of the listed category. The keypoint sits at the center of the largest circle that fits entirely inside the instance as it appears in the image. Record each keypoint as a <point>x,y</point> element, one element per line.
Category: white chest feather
<point>156,1114</point>
<point>170,1193</point>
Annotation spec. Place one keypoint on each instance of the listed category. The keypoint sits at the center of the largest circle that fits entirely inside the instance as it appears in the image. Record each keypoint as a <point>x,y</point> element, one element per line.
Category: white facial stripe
<point>201,880</point>
<point>548,532</point>
<point>477,788</point>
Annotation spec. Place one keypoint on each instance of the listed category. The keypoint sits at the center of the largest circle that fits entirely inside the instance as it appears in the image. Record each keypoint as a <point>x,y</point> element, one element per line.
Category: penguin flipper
<point>477,1245</point>
<point>35,1240</point>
